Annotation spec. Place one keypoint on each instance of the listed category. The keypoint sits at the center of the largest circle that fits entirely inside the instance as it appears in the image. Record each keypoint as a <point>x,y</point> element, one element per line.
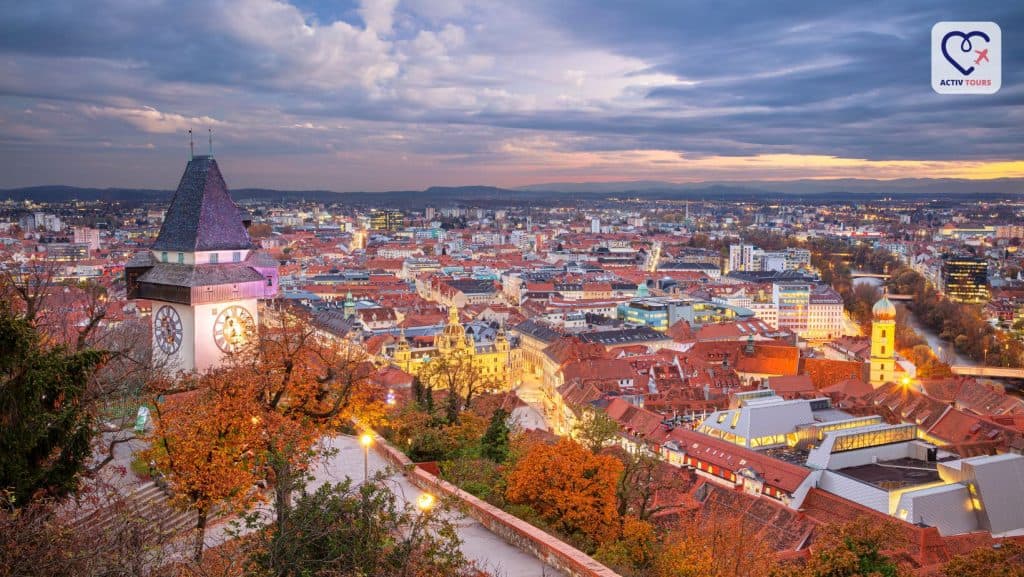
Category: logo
<point>966,58</point>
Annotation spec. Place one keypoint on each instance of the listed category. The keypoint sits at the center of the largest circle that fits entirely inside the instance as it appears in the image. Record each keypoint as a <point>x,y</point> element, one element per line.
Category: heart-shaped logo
<point>965,47</point>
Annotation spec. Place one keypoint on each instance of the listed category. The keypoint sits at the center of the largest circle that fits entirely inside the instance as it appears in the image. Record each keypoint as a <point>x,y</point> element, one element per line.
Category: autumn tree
<point>569,487</point>
<point>594,428</point>
<point>45,425</point>
<point>1006,559</point>
<point>207,443</point>
<point>50,538</point>
<point>648,485</point>
<point>634,552</point>
<point>853,549</point>
<point>440,441</point>
<point>716,543</point>
<point>456,373</point>
<point>306,387</point>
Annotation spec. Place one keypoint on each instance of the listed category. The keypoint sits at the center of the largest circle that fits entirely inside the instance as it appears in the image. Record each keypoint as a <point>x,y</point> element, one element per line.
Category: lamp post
<point>425,502</point>
<point>366,439</point>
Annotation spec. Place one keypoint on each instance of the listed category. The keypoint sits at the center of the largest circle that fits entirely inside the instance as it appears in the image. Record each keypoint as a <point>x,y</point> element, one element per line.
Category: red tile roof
<point>779,474</point>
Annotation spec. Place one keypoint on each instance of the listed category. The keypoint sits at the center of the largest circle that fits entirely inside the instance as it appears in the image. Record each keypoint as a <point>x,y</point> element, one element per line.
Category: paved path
<point>490,552</point>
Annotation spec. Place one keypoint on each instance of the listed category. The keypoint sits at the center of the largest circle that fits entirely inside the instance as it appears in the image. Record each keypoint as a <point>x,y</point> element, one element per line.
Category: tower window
<point>883,349</point>
<point>883,333</point>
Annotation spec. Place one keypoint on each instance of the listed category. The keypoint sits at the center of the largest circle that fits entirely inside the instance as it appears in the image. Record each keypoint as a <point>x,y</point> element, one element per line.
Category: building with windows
<point>647,312</point>
<point>203,275</point>
<point>883,343</point>
<point>386,220</point>
<point>749,258</point>
<point>766,446</point>
<point>489,350</point>
<point>965,279</point>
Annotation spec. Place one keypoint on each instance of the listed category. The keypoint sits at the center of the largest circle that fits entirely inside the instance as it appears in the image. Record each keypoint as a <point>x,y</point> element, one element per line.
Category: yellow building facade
<point>493,362</point>
<point>883,342</point>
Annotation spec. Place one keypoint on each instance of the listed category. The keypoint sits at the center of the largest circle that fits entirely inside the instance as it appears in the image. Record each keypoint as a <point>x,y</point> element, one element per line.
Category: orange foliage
<point>570,487</point>
<point>206,442</point>
<point>634,552</point>
<point>717,544</point>
<point>307,378</point>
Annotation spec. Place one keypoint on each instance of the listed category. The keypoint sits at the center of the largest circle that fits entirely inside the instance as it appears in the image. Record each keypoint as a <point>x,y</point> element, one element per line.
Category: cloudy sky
<point>396,94</point>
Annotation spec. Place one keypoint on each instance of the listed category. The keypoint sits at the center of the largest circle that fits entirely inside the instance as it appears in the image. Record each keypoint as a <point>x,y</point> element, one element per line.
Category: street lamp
<point>366,440</point>
<point>425,502</point>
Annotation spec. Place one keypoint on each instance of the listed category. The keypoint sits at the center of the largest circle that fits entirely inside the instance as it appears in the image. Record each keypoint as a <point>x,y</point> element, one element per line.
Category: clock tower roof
<point>202,215</point>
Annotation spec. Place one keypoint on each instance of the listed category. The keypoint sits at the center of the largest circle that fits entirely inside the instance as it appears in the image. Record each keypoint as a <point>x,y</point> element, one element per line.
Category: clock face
<point>167,329</point>
<point>233,329</point>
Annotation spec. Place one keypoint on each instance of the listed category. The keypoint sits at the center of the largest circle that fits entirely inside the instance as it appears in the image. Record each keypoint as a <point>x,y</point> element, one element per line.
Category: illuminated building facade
<point>386,220</point>
<point>965,279</point>
<point>883,343</point>
<point>493,361</point>
<point>202,274</point>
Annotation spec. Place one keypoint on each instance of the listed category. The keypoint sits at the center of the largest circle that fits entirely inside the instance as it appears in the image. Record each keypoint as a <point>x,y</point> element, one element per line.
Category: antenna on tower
<point>191,146</point>
<point>210,130</point>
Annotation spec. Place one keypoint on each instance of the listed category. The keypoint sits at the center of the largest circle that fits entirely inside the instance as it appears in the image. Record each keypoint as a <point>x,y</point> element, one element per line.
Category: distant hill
<point>569,192</point>
<point>802,186</point>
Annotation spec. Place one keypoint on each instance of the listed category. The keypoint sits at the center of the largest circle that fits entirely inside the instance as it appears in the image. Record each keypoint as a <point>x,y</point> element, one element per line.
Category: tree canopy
<point>45,424</point>
<point>569,487</point>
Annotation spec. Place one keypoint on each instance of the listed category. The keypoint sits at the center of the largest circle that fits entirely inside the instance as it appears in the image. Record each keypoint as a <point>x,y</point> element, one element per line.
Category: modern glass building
<point>965,279</point>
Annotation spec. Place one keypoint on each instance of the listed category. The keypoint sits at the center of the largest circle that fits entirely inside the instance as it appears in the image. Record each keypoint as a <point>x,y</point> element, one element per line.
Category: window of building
<point>236,256</point>
<point>214,257</point>
<point>163,256</point>
<point>181,258</point>
<point>883,349</point>
<point>883,333</point>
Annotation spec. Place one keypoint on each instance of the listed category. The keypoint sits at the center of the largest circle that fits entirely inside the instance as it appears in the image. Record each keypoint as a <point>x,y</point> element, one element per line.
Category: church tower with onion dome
<point>203,275</point>
<point>883,342</point>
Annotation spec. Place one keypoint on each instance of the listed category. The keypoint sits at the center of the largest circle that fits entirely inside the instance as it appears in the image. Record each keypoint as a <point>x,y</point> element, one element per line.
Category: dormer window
<point>163,256</point>
<point>214,258</point>
<point>236,256</point>
<point>181,258</point>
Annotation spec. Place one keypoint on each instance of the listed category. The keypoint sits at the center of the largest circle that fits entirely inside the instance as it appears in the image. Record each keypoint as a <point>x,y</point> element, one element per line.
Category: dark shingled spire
<point>202,215</point>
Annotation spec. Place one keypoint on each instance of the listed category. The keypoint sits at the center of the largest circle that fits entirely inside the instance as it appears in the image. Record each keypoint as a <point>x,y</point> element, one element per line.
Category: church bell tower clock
<point>203,275</point>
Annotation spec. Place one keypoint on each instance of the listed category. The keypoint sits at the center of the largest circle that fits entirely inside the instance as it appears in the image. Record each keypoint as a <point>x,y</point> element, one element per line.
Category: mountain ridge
<point>555,193</point>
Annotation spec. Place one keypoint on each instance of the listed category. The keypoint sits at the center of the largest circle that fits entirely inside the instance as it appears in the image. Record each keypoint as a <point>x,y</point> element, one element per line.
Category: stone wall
<point>552,551</point>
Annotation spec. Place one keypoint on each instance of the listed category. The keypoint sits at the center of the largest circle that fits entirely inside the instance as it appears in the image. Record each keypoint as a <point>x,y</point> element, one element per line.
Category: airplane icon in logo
<point>982,55</point>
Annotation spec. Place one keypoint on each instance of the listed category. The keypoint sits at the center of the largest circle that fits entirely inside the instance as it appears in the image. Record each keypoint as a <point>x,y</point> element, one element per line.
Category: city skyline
<point>405,95</point>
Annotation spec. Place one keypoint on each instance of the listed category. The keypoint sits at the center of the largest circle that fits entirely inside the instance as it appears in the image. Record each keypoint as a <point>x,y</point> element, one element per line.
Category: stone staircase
<point>147,503</point>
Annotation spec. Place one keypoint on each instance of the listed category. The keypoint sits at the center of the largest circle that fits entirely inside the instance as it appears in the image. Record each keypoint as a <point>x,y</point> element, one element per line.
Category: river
<point>943,348</point>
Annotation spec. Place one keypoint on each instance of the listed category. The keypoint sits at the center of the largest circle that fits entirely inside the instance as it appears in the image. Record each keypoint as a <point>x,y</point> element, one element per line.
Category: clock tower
<point>203,275</point>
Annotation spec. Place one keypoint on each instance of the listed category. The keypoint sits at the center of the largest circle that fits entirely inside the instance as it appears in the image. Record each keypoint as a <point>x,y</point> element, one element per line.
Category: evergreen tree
<point>45,423</point>
<point>417,391</point>
<point>494,443</point>
<point>428,394</point>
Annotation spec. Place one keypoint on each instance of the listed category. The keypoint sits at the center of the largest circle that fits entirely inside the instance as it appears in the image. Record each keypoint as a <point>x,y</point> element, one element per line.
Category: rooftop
<point>895,474</point>
<point>202,215</point>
